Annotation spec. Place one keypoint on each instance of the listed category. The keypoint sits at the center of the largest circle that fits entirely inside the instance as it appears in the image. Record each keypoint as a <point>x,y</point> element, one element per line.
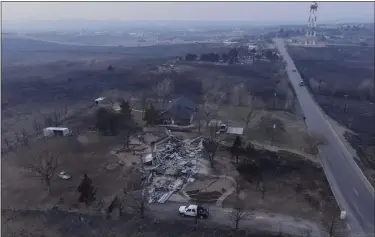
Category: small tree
<point>141,202</point>
<point>128,128</point>
<point>163,89</point>
<point>86,190</point>
<point>238,214</point>
<point>8,144</point>
<point>44,165</point>
<point>24,137</point>
<point>126,110</point>
<point>330,224</point>
<point>240,185</point>
<point>235,149</point>
<point>150,115</point>
<point>37,126</point>
<point>262,179</point>
<point>191,57</point>
<point>18,138</point>
<point>250,115</point>
<point>107,121</point>
<point>209,111</point>
<point>212,143</point>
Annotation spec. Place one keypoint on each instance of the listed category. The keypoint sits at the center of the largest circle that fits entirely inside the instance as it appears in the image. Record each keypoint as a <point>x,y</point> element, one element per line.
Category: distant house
<point>179,111</point>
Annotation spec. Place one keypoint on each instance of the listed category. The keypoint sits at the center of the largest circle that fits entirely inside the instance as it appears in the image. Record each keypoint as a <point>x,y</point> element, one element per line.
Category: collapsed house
<point>174,163</point>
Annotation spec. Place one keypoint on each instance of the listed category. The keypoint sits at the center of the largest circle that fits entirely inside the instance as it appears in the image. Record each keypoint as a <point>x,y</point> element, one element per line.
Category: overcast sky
<point>248,11</point>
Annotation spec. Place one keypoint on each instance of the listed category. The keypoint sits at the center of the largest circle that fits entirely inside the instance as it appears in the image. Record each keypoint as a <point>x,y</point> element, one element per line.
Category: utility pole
<point>320,82</point>
<point>346,103</point>
<point>274,101</point>
<point>273,133</point>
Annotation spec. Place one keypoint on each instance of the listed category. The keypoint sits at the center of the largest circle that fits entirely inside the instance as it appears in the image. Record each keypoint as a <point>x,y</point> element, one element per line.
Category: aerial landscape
<point>140,119</point>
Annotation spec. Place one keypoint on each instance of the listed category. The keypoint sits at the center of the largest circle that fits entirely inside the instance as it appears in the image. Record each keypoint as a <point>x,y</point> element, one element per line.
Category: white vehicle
<point>64,175</point>
<point>194,211</point>
<point>301,83</point>
<point>294,70</point>
<point>222,128</point>
<point>343,215</point>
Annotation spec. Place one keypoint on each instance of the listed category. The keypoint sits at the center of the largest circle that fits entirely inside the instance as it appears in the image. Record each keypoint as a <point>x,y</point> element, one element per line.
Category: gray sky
<point>253,11</point>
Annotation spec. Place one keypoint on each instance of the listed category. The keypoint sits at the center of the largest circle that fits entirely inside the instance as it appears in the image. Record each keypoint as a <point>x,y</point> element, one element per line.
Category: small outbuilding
<point>55,131</point>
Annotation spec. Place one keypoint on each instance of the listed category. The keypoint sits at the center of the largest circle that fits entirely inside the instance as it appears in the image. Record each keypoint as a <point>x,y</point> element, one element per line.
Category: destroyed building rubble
<point>175,162</point>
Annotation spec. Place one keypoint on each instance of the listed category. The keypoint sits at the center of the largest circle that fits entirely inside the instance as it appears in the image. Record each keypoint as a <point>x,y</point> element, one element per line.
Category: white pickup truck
<point>194,211</point>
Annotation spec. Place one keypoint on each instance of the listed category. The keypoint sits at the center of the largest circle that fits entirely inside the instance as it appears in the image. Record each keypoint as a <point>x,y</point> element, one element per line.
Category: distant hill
<point>20,50</point>
<point>14,43</point>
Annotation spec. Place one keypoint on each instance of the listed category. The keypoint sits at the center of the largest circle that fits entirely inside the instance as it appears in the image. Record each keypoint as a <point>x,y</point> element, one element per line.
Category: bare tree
<point>18,138</point>
<point>139,201</point>
<point>24,137</point>
<point>212,143</point>
<point>240,183</point>
<point>37,126</point>
<point>250,113</point>
<point>47,120</point>
<point>212,99</point>
<point>209,111</point>
<point>262,188</point>
<point>44,165</point>
<point>199,116</point>
<point>163,89</point>
<point>56,118</point>
<point>331,218</point>
<point>238,214</point>
<point>136,195</point>
<point>8,144</point>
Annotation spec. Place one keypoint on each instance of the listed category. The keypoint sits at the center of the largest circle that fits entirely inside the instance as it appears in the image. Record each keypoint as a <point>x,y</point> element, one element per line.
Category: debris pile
<point>175,163</point>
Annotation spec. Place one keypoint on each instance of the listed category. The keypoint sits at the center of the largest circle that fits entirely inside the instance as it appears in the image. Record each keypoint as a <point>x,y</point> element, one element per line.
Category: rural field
<point>271,167</point>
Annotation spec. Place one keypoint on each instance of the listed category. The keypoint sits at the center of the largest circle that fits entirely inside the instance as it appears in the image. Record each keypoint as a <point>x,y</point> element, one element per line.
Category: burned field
<point>341,79</point>
<point>284,183</point>
<point>179,171</point>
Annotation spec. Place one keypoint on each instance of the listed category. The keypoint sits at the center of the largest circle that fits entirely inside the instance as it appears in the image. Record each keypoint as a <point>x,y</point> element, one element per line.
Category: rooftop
<point>100,98</point>
<point>182,107</point>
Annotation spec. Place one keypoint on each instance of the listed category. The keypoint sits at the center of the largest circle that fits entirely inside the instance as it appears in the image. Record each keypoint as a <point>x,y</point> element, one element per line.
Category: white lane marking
<point>355,191</point>
<point>351,159</point>
<point>259,217</point>
<point>348,226</point>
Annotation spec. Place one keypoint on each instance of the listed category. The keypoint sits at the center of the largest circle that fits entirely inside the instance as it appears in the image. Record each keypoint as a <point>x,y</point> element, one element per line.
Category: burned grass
<point>57,223</point>
<point>279,182</point>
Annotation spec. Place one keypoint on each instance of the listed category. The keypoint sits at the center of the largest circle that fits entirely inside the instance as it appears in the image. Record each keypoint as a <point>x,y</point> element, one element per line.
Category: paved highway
<point>352,190</point>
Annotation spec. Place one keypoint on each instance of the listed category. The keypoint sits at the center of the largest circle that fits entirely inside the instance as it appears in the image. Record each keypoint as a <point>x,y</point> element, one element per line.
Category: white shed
<point>235,130</point>
<point>55,131</point>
